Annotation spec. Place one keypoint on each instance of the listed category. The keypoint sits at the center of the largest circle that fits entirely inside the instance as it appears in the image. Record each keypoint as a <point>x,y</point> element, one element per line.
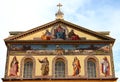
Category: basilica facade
<point>59,51</point>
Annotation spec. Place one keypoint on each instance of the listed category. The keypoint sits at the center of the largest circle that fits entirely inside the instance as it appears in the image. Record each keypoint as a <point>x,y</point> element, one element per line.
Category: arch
<point>60,65</point>
<point>28,63</point>
<point>28,68</point>
<point>92,67</point>
<point>59,68</point>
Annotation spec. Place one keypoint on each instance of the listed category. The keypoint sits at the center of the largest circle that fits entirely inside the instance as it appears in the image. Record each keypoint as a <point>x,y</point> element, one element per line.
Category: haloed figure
<point>44,66</point>
<point>76,66</point>
<point>105,67</point>
<point>14,67</point>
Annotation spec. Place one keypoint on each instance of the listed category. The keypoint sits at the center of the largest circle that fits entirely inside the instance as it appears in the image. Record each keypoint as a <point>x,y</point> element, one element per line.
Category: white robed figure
<point>105,67</point>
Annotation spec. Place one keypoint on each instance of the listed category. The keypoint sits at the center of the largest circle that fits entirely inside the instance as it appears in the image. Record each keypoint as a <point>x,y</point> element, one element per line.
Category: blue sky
<point>97,15</point>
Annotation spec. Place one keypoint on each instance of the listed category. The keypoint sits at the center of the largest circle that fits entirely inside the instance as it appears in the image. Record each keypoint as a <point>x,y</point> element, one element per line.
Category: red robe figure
<point>14,67</point>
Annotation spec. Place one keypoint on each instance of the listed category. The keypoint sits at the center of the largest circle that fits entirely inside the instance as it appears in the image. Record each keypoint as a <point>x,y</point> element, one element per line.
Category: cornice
<point>59,41</point>
<point>41,79</point>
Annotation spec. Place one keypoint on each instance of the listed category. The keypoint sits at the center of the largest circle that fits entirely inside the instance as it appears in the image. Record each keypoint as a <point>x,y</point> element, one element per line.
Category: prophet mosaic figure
<point>76,66</point>
<point>105,67</point>
<point>14,67</point>
<point>46,36</point>
<point>44,66</point>
<point>73,36</point>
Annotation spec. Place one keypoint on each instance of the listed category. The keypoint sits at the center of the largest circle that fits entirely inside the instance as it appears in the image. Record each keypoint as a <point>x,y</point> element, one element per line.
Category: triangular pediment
<point>58,29</point>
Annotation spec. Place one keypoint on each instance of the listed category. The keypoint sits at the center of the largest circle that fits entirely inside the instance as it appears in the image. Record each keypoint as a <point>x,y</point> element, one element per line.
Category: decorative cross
<point>59,5</point>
